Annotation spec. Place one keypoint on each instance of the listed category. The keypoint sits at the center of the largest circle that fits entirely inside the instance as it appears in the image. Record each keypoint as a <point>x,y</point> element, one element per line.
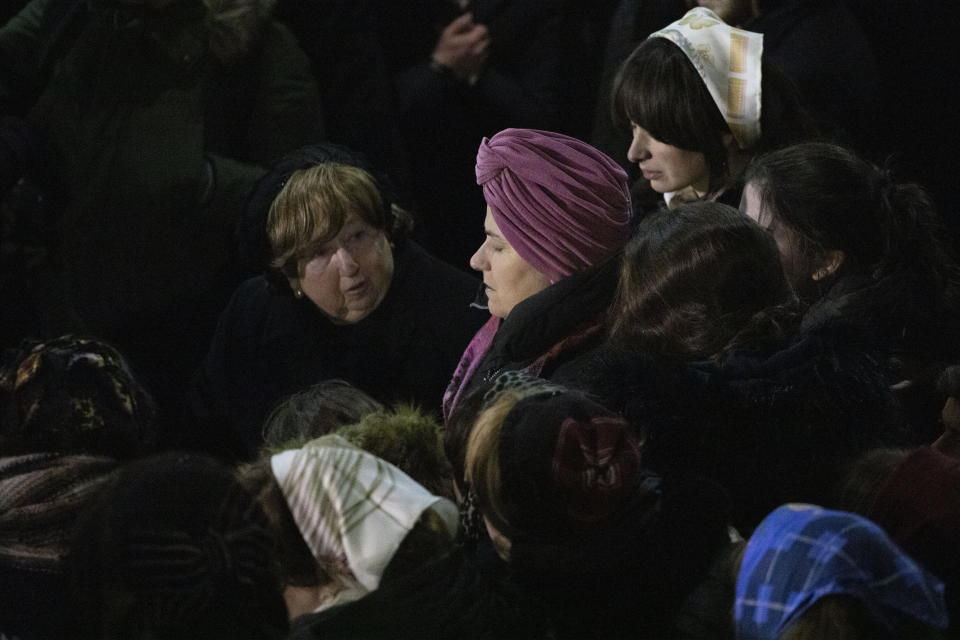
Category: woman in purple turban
<point>557,211</point>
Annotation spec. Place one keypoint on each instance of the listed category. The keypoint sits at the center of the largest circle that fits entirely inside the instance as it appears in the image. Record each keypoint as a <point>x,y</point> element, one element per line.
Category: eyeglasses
<point>354,241</point>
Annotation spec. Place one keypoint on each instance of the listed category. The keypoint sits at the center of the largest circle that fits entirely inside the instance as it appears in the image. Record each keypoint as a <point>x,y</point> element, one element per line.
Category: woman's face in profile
<point>508,278</point>
<point>668,168</point>
<point>348,277</point>
<point>794,266</point>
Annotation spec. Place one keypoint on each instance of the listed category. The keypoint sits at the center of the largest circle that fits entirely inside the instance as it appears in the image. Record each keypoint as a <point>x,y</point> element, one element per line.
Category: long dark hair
<point>696,279</point>
<point>829,199</point>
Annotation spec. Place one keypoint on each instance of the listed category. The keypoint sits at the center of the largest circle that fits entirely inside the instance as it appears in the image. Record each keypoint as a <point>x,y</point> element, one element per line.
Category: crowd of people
<point>470,319</point>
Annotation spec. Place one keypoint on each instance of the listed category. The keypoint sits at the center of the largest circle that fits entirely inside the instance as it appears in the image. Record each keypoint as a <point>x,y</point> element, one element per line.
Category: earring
<point>297,292</point>
<point>821,273</point>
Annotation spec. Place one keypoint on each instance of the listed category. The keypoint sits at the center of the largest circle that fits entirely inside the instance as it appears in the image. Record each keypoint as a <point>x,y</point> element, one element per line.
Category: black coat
<point>157,126</point>
<point>442,120</point>
<point>456,595</point>
<point>560,324</point>
<point>269,344</point>
<point>771,426</point>
<point>551,327</point>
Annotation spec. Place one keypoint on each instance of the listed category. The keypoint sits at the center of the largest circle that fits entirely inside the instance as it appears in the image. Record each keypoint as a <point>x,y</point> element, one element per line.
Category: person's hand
<point>463,47</point>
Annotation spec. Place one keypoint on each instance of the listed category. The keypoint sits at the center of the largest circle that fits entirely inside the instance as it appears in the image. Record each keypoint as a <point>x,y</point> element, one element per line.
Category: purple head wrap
<point>560,203</point>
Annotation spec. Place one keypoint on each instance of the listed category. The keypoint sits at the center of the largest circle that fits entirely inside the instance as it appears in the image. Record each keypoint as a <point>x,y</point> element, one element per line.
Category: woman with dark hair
<point>346,296</point>
<point>704,358</point>
<point>863,249</point>
<point>701,101</point>
<point>174,547</point>
<point>689,288</point>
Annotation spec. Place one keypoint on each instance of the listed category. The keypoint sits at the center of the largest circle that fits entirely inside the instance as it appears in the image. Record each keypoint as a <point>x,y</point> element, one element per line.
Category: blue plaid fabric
<point>801,552</point>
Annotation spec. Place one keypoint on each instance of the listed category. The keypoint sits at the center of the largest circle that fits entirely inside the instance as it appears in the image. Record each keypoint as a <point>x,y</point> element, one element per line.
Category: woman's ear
<point>737,158</point>
<point>828,264</point>
<point>729,142</point>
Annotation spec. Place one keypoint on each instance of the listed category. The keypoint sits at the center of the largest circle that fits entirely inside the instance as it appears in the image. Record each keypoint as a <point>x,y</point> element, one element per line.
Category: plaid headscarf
<point>352,507</point>
<point>73,395</point>
<point>801,553</point>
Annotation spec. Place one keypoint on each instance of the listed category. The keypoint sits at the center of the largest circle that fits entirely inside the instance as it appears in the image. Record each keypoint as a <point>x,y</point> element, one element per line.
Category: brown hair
<point>695,279</point>
<point>865,477</point>
<point>482,463</point>
<point>316,411</point>
<point>315,203</point>
<point>842,617</point>
<point>830,198</point>
<point>297,564</point>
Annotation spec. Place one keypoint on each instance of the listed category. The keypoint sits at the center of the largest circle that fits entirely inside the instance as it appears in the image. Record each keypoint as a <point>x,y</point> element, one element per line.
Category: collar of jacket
<point>537,323</point>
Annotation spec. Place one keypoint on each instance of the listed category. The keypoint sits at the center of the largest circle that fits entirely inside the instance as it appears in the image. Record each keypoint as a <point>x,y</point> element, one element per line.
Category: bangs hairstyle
<point>693,280</point>
<point>658,89</point>
<point>312,208</point>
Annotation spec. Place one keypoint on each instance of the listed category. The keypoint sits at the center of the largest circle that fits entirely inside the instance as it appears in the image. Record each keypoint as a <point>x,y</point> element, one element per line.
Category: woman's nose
<point>347,265</point>
<point>477,260</point>
<point>638,151</point>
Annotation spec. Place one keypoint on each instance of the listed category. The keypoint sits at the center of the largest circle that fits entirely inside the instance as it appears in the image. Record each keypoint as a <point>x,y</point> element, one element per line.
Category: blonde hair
<point>313,206</point>
<point>482,463</point>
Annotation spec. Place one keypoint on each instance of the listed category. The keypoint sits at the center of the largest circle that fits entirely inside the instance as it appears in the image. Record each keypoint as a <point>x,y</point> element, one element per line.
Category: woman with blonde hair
<point>606,546</point>
<point>347,295</point>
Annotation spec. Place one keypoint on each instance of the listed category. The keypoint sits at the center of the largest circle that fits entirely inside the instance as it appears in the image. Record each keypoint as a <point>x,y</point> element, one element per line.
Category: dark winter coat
<point>542,332</point>
<point>454,596</point>
<point>771,426</point>
<point>159,123</point>
<point>443,119</point>
<point>269,344</point>
<point>822,47</point>
<point>562,322</point>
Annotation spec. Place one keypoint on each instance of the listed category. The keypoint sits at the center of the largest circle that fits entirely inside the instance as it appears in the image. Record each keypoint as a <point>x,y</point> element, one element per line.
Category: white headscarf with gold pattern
<point>728,60</point>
